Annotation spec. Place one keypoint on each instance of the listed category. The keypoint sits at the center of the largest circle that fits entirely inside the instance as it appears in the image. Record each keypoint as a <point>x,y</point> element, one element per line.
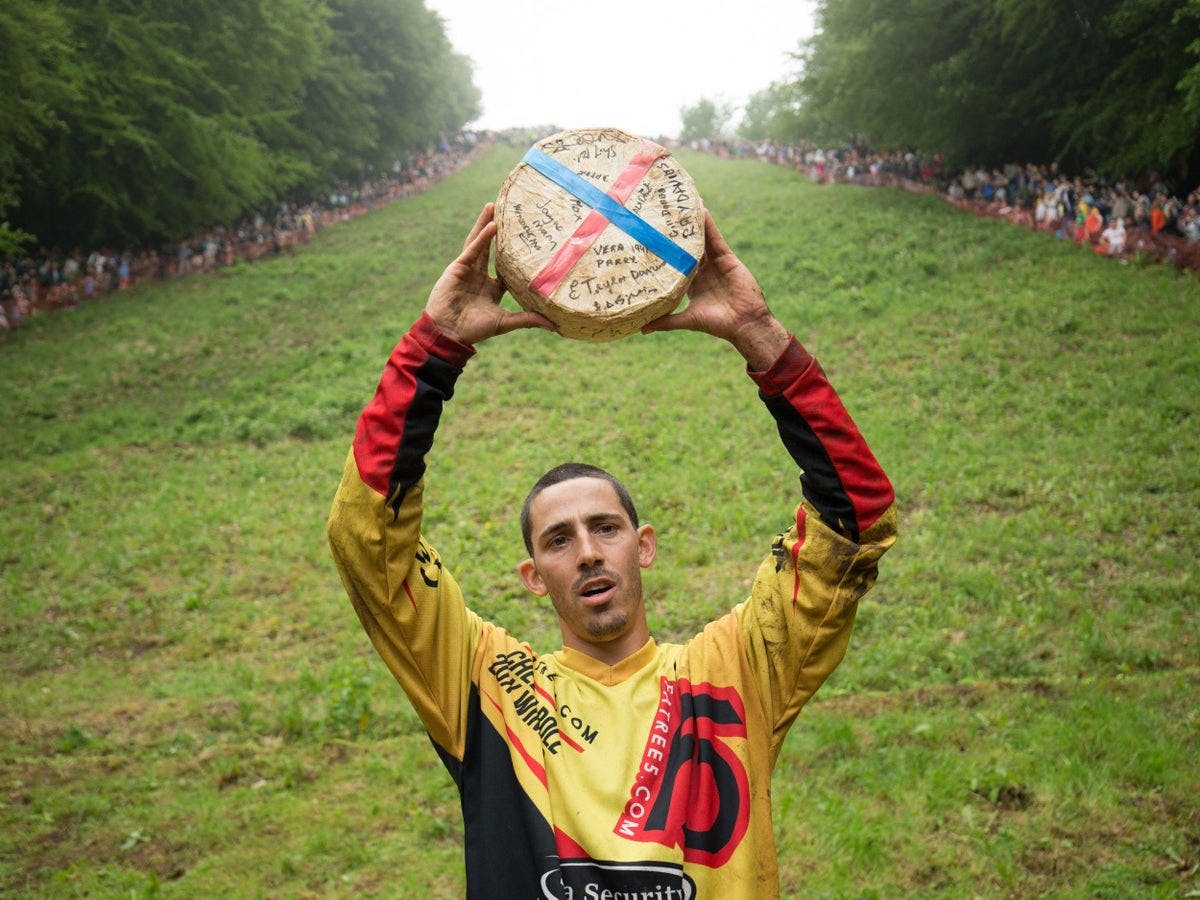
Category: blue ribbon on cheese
<point>631,223</point>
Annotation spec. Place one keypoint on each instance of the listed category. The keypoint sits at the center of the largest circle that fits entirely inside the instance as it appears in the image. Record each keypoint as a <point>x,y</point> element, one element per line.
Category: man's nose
<point>589,551</point>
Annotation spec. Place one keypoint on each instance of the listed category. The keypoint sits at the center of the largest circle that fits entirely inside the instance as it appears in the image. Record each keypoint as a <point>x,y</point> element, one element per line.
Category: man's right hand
<point>465,301</point>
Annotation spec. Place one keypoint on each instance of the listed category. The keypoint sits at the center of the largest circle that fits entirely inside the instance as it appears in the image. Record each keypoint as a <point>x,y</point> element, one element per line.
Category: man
<point>616,767</point>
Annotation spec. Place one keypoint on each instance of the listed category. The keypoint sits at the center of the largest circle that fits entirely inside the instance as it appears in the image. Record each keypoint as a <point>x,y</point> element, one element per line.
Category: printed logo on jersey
<point>587,879</point>
<point>429,564</point>
<point>515,673</point>
<point>691,790</point>
<point>780,553</point>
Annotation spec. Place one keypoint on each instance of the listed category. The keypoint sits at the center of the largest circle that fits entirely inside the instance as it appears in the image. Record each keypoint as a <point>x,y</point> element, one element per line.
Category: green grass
<point>189,707</point>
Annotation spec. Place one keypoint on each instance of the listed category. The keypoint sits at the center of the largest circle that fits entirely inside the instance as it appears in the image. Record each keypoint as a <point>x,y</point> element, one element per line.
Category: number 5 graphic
<point>703,799</point>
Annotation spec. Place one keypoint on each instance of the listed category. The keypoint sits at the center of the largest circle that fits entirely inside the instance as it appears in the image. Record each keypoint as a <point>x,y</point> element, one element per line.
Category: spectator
<point>45,280</point>
<point>1158,218</point>
<point>1112,238</point>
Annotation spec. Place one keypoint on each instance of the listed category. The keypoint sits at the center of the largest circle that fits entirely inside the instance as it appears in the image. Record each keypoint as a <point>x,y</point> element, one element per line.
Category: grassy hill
<point>189,706</point>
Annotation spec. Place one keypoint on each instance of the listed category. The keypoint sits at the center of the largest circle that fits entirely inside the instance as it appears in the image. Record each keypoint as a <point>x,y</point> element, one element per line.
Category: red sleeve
<point>396,429</point>
<point>840,476</point>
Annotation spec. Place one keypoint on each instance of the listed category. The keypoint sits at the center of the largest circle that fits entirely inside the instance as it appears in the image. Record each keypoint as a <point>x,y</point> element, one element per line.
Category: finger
<point>512,321</point>
<point>685,320</point>
<point>702,274</point>
<point>475,253</point>
<point>485,215</point>
<point>496,290</point>
<point>714,241</point>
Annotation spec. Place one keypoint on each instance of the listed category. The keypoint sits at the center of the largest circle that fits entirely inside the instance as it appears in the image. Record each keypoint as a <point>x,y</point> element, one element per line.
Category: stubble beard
<point>606,624</point>
<point>598,624</point>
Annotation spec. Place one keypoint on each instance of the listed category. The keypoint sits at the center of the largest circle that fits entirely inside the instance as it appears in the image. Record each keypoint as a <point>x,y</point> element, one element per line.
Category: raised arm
<point>408,603</point>
<point>840,475</point>
<point>796,625</point>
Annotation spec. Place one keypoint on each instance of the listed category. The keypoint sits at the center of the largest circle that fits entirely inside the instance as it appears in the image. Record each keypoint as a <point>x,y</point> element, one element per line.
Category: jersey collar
<point>603,672</point>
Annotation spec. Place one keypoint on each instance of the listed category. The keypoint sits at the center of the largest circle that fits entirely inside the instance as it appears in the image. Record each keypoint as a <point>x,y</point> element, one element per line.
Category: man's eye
<point>607,528</point>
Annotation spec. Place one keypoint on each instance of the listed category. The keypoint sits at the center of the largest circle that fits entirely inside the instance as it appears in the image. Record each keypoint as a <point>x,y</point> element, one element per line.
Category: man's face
<point>588,557</point>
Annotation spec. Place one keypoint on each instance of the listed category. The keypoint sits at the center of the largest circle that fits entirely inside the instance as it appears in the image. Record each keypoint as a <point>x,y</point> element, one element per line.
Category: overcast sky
<point>631,64</point>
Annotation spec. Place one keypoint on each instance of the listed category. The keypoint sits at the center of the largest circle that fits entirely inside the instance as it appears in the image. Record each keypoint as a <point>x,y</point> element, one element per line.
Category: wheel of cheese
<point>598,230</point>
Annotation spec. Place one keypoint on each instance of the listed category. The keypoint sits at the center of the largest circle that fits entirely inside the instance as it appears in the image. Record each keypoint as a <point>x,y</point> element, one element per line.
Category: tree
<point>1114,84</point>
<point>35,70</point>
<point>418,87</point>
<point>1138,115</point>
<point>178,119</point>
<point>870,70</point>
<point>706,119</point>
<point>773,114</point>
<point>144,122</point>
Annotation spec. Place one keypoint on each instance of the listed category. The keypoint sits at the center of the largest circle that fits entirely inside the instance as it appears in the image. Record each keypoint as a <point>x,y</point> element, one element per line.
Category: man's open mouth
<point>596,587</point>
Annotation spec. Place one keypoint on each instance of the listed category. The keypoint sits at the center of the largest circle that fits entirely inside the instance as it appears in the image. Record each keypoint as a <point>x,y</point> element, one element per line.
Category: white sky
<point>631,64</point>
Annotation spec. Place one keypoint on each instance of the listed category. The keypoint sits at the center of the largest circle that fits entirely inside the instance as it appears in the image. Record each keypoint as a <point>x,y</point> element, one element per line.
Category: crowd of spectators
<point>1118,218</point>
<point>51,279</point>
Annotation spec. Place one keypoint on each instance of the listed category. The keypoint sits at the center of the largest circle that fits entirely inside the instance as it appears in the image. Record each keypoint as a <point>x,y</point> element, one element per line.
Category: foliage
<point>705,119</point>
<point>34,72</point>
<point>771,114</point>
<point>1111,85</point>
<point>413,86</point>
<point>136,122</point>
<point>189,704</point>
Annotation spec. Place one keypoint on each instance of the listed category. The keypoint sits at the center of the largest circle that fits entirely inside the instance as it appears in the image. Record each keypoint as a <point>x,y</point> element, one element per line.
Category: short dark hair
<point>568,472</point>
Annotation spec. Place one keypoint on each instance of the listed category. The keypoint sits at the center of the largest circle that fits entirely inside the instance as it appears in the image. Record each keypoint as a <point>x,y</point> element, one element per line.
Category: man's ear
<point>531,578</point>
<point>647,545</point>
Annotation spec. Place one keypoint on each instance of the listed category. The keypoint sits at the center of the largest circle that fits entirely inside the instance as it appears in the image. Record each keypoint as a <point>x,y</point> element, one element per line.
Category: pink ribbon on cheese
<point>590,228</point>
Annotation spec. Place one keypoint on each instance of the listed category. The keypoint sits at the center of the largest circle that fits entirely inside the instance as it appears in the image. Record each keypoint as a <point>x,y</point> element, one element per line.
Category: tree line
<point>1112,85</point>
<point>131,121</point>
